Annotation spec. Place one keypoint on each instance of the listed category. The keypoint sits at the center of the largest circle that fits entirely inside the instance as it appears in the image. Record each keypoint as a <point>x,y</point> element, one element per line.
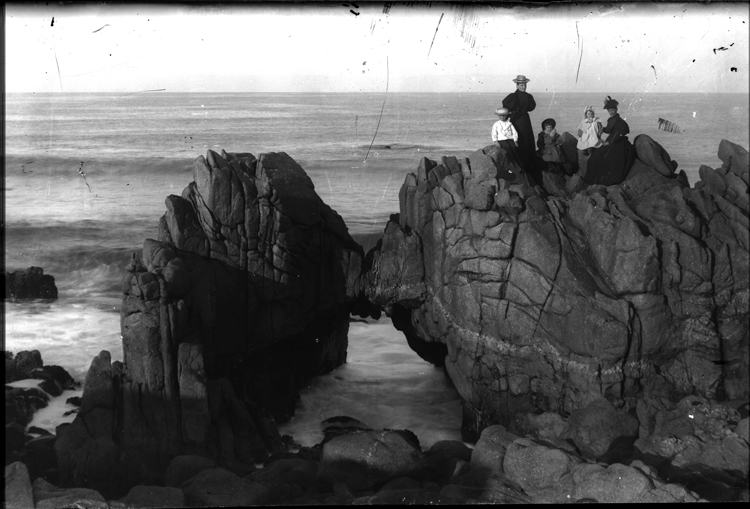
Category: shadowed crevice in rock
<point>430,351</point>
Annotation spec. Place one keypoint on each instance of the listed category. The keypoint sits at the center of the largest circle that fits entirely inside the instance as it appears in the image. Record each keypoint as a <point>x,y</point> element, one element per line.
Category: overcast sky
<point>345,47</point>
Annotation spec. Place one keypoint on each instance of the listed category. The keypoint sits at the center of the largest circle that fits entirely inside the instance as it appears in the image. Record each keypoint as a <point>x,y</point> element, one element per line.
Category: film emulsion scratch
<point>387,82</point>
<point>82,174</point>
<point>580,52</point>
<point>466,18</point>
<point>54,50</point>
<point>352,10</point>
<point>144,91</point>
<point>435,34</point>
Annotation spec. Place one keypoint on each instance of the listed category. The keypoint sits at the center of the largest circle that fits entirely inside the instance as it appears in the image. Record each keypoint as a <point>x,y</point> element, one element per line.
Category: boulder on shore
<point>368,459</point>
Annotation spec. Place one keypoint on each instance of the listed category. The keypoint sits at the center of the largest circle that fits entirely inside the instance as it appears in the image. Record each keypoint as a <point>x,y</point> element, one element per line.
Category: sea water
<point>86,176</point>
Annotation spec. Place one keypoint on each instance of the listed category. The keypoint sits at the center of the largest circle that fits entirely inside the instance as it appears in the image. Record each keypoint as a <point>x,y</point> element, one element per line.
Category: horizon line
<point>124,93</point>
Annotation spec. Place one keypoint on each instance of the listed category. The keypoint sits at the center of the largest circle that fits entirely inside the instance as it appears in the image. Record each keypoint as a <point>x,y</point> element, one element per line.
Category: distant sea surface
<point>86,176</point>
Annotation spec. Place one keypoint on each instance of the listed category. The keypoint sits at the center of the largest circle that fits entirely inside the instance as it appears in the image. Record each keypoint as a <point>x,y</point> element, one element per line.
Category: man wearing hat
<point>520,103</point>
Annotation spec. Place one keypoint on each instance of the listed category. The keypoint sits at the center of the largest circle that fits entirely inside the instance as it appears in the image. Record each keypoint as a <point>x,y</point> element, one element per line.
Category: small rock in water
<point>31,283</point>
<point>38,431</point>
<point>75,401</point>
<point>341,425</point>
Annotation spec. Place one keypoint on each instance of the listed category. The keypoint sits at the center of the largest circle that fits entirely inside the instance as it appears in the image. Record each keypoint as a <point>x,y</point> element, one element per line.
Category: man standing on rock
<point>520,103</point>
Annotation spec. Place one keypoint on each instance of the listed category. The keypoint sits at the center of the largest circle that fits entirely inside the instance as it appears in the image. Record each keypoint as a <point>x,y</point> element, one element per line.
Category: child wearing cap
<point>505,135</point>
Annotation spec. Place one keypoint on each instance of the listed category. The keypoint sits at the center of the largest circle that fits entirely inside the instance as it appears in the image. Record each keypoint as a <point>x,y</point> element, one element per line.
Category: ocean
<point>86,176</point>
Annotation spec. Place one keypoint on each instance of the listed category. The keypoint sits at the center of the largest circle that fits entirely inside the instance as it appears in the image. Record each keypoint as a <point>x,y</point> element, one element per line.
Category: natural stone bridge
<point>534,299</point>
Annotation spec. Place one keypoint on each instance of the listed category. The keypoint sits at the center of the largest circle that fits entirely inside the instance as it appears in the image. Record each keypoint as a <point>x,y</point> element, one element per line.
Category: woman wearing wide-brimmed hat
<point>520,103</point>
<point>610,164</point>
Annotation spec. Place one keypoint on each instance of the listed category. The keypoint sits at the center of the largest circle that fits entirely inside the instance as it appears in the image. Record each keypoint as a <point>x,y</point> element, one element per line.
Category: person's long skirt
<point>526,147</point>
<point>610,164</point>
<point>583,160</point>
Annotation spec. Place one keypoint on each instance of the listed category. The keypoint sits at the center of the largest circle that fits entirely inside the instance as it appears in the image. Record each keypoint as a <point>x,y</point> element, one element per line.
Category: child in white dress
<point>589,138</point>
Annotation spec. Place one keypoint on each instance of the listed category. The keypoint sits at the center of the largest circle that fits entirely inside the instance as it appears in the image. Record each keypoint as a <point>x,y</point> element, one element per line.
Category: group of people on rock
<point>604,153</point>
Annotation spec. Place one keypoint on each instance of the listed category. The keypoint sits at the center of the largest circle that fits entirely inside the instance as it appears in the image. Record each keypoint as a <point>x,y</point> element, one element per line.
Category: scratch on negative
<point>59,76</point>
<point>95,31</point>
<point>580,49</point>
<point>435,35</point>
<point>387,81</point>
<point>152,90</point>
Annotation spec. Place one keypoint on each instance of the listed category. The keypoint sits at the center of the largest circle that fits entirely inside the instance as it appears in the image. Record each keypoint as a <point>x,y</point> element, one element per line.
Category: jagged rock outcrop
<point>22,402</point>
<point>540,302</point>
<point>245,295</point>
<point>31,283</point>
<point>697,441</point>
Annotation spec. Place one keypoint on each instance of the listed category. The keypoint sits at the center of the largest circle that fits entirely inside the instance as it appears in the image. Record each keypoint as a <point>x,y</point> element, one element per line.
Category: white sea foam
<point>66,333</point>
<point>383,384</point>
<point>51,416</point>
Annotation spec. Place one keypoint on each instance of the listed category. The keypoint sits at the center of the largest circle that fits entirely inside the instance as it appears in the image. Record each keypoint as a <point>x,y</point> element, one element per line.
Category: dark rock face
<point>21,365</point>
<point>245,295</point>
<point>31,283</point>
<point>21,404</point>
<point>552,302</point>
<point>18,491</point>
<point>253,266</point>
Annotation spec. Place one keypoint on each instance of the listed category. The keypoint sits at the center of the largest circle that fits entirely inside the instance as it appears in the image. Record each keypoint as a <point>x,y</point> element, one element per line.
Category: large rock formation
<point>245,295</point>
<point>252,268</point>
<point>538,302</point>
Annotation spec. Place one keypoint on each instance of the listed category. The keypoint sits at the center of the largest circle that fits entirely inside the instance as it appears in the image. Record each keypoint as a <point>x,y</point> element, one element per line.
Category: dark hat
<point>610,103</point>
<point>521,79</point>
<point>548,121</point>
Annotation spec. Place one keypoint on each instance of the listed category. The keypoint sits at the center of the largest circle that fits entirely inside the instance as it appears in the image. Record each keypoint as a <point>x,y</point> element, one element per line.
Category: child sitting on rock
<point>589,131</point>
<point>506,136</point>
<point>549,144</point>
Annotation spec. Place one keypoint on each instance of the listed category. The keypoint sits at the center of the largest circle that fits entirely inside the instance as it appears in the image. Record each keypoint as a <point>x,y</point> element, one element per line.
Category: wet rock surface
<point>364,467</point>
<point>34,447</point>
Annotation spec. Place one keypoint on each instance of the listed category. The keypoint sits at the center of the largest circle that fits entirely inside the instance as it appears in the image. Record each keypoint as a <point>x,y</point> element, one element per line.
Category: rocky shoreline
<point>597,337</point>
